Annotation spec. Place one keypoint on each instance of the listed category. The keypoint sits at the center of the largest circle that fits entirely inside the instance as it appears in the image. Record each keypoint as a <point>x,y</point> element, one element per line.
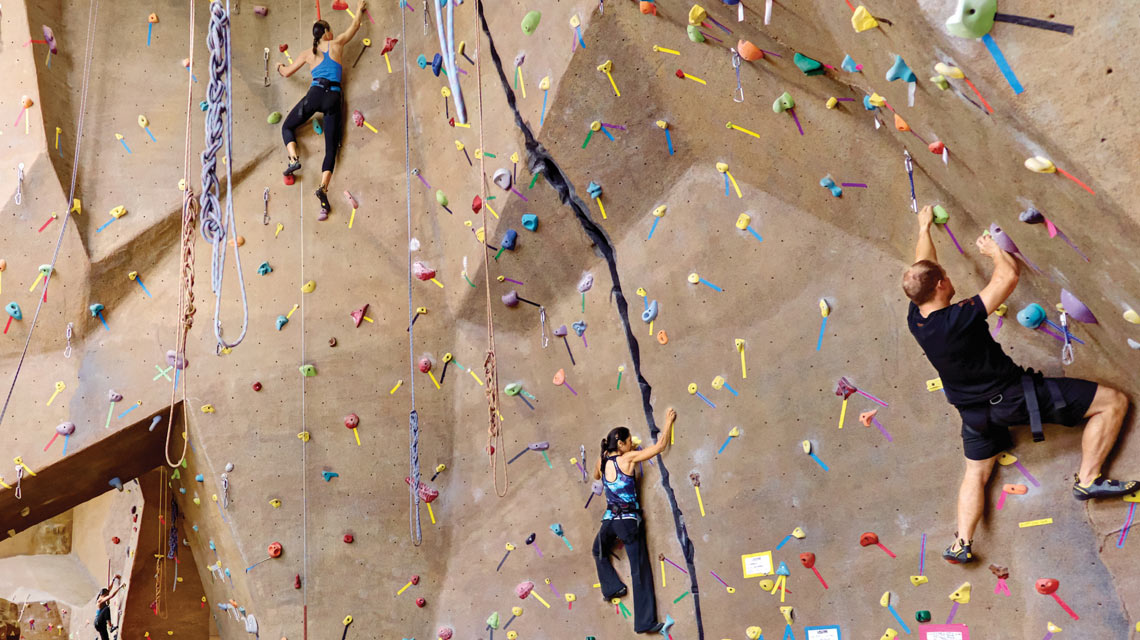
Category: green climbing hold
<point>922,616</point>
<point>972,19</point>
<point>530,22</point>
<point>941,82</point>
<point>941,215</point>
<point>783,103</point>
<point>274,117</point>
<point>441,198</point>
<point>695,33</point>
<point>809,66</point>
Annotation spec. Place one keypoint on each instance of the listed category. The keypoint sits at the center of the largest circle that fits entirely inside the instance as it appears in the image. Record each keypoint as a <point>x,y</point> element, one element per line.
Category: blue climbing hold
<point>579,327</point>
<point>867,104</point>
<point>782,570</point>
<point>329,475</point>
<point>899,71</point>
<point>264,269</point>
<point>436,64</point>
<point>1031,316</point>
<point>422,61</point>
<point>849,64</point>
<point>829,184</point>
<point>199,478</point>
<point>317,126</point>
<point>281,322</point>
<point>116,482</point>
<point>650,313</point>
<point>594,189</point>
<point>96,309</point>
<point>13,310</point>
<point>530,221</point>
<point>509,240</point>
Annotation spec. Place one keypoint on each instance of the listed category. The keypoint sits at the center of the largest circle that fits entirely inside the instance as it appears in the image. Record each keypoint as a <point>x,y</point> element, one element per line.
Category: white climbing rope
<point>92,14</point>
<point>447,51</point>
<point>216,225</point>
<point>414,527</point>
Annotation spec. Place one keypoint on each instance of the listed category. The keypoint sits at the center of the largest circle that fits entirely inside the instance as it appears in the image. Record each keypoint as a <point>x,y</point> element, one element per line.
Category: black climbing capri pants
<point>323,101</point>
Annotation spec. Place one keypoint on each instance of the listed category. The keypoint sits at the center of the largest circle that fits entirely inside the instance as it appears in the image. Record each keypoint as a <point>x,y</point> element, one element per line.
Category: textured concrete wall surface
<point>301,479</point>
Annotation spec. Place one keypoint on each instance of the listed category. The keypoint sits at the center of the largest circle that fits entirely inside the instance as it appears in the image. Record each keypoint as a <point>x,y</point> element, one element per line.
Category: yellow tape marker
<point>1035,523</point>
<point>741,129</point>
<point>398,384</point>
<point>664,50</point>
<point>430,512</point>
<point>843,413</point>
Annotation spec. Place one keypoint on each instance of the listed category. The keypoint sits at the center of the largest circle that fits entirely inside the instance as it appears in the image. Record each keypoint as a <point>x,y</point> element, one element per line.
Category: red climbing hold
<point>289,180</point>
<point>339,5</point>
<point>348,539</point>
<point>421,603</point>
<point>257,386</point>
<point>297,581</point>
<point>115,540</point>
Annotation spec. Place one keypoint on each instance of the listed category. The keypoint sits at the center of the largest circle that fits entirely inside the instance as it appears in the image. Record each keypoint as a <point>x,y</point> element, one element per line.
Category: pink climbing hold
<point>523,589</point>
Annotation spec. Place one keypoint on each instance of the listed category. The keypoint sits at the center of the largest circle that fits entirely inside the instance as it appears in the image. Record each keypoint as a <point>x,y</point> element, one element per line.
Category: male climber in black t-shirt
<point>991,392</point>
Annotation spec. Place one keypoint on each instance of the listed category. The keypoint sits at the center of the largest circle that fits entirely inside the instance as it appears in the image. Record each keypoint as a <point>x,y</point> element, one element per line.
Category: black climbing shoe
<point>654,629</point>
<point>1103,488</point>
<point>323,196</point>
<point>962,556</point>
<point>294,166</point>
<point>620,593</point>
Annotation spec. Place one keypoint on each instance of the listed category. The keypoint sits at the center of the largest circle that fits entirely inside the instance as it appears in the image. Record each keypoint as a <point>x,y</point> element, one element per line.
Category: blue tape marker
<point>784,541</point>
<point>726,192</point>
<point>542,116</point>
<point>754,234</point>
<point>726,441</point>
<point>898,618</point>
<point>822,328</point>
<point>820,462</point>
<point>653,228</point>
<point>104,225</point>
<point>707,401</point>
<point>608,134</point>
<point>1003,65</point>
<point>733,391</point>
<point>669,140</point>
<point>710,285</point>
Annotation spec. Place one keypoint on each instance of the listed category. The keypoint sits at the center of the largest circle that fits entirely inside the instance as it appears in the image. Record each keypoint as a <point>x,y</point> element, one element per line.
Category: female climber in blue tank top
<point>324,97</point>
<point>616,468</point>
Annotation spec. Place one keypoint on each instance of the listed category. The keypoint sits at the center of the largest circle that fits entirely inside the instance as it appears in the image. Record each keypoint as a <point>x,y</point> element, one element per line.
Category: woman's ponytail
<point>319,29</point>
<point>610,442</point>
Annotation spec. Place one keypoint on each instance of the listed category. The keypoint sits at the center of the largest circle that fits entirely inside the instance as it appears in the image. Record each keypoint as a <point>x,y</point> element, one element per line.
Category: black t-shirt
<point>958,343</point>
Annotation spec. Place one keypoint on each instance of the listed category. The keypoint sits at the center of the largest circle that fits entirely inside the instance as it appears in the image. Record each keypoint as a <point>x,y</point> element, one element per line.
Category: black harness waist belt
<point>325,83</point>
<point>1029,390</point>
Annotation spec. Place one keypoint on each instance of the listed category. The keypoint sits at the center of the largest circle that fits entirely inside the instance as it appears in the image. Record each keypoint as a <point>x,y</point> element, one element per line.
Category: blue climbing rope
<point>219,125</point>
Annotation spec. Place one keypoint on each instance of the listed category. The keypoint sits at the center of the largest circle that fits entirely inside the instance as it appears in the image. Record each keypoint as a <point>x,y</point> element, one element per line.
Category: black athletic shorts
<point>985,426</point>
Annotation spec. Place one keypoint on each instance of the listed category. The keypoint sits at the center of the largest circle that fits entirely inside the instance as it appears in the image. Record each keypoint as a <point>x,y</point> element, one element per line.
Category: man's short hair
<point>921,279</point>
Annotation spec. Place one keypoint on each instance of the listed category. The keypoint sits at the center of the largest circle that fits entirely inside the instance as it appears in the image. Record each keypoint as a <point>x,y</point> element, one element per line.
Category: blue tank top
<point>328,69</point>
<point>622,490</point>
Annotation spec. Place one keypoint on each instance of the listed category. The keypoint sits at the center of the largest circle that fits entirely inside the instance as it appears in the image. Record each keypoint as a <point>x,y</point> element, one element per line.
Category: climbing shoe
<point>294,166</point>
<point>962,555</point>
<point>323,196</point>
<point>620,593</point>
<point>1103,488</point>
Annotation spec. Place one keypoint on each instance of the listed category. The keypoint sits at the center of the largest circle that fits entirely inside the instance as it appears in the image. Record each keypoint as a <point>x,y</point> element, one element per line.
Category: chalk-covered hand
<point>361,6</point>
<point>926,217</point>
<point>670,416</point>
<point>987,246</point>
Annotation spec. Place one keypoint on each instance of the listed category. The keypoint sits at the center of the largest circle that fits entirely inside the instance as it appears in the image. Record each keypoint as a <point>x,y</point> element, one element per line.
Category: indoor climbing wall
<point>714,243</point>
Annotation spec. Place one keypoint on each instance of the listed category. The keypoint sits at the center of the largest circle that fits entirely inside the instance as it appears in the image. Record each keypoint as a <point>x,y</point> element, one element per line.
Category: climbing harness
<point>93,13</point>
<point>447,50</point>
<point>739,95</point>
<point>216,224</point>
<point>67,350</point>
<point>20,183</point>
<point>910,174</point>
<point>495,436</point>
<point>539,160</point>
<point>415,529</point>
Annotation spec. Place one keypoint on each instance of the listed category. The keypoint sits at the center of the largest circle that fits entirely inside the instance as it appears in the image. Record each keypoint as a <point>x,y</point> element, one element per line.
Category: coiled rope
<point>415,529</point>
<point>538,159</point>
<point>216,225</point>
<point>186,269</point>
<point>92,14</point>
<point>490,365</point>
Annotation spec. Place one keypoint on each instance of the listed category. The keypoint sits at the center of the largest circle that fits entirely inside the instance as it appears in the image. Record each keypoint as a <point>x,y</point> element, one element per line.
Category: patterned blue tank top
<point>621,491</point>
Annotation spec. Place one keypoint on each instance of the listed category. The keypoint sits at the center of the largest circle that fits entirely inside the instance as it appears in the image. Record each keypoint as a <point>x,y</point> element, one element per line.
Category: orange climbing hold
<point>648,8</point>
<point>662,337</point>
<point>901,124</point>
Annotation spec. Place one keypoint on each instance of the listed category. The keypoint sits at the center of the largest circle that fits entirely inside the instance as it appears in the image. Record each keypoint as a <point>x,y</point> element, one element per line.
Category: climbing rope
<point>92,14</point>
<point>216,225</point>
<point>414,527</point>
<point>447,51</point>
<point>538,159</point>
<point>490,366</point>
<point>186,269</point>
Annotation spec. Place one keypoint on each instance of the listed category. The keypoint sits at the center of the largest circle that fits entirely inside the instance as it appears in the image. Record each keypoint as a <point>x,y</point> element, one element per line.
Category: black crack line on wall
<point>538,160</point>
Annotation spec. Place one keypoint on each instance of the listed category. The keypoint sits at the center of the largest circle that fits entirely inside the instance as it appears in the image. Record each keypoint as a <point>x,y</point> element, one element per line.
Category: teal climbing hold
<point>264,269</point>
<point>13,310</point>
<point>782,570</point>
<point>329,475</point>
<point>594,189</point>
<point>849,64</point>
<point>829,184</point>
<point>899,71</point>
<point>867,104</point>
<point>281,322</point>
<point>530,221</point>
<point>422,61</point>
<point>317,128</point>
<point>1031,316</point>
<point>809,66</point>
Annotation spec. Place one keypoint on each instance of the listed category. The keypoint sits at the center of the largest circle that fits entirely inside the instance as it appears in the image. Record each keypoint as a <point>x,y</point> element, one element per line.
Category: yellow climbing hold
<point>862,20</point>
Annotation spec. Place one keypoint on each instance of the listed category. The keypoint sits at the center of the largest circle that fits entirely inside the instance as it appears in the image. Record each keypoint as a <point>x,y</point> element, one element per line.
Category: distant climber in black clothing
<point>103,613</point>
<point>991,392</point>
